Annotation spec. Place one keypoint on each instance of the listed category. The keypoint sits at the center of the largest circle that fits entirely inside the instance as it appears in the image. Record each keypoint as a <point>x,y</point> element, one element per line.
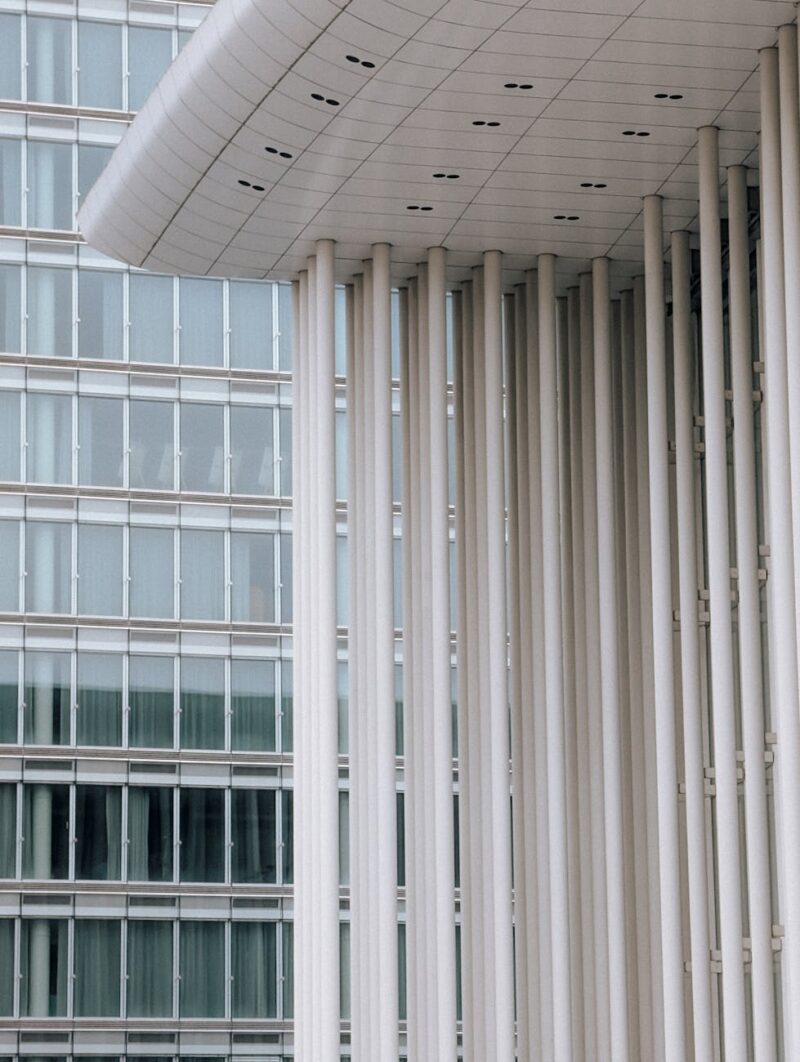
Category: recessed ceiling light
<point>412,208</point>
<point>244,184</point>
<point>453,176</point>
<point>526,86</point>
<point>629,132</point>
<point>321,99</point>
<point>601,186</point>
<point>426,208</point>
<point>369,65</point>
<point>511,84</point>
<point>668,96</point>
<point>332,103</point>
<point>493,124</point>
<point>660,96</point>
<point>438,175</point>
<point>275,151</point>
<point>559,217</point>
<point>258,188</point>
<point>317,96</point>
<point>586,184</point>
<point>352,59</point>
<point>362,62</point>
<point>643,132</point>
<point>416,206</point>
<point>479,122</point>
<point>676,96</point>
<point>573,217</point>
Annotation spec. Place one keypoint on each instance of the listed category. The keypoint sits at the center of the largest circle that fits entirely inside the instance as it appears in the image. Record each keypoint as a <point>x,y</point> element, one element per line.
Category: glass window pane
<point>152,446</point>
<point>287,706</point>
<point>341,581</point>
<point>10,309</point>
<point>149,969</point>
<point>253,836</point>
<point>287,824</point>
<point>10,57</point>
<point>340,331</point>
<point>92,159</point>
<point>252,458</point>
<point>9,698</point>
<point>50,60</point>
<point>251,325</point>
<point>202,703</point>
<point>202,966</point>
<point>99,65</point>
<point>150,833</point>
<point>340,443</point>
<point>201,321</point>
<point>285,315</point>
<point>7,970</point>
<point>50,311</point>
<point>285,440</point>
<point>50,203</point>
<point>202,446</point>
<point>149,55</point>
<point>202,579</point>
<point>152,572</point>
<point>397,458</point>
<point>254,969</point>
<point>253,705</point>
<point>97,967</point>
<point>100,314</point>
<point>100,438</point>
<point>46,705</point>
<point>49,437</point>
<point>45,832</point>
<point>151,316</point>
<point>99,701</point>
<point>10,180</point>
<point>9,569</point>
<point>98,832</point>
<point>288,970</point>
<point>48,564</point>
<point>44,967</point>
<point>9,436</point>
<point>202,844</point>
<point>286,577</point>
<point>252,576</point>
<point>152,705</point>
<point>99,569</point>
<point>8,833</point>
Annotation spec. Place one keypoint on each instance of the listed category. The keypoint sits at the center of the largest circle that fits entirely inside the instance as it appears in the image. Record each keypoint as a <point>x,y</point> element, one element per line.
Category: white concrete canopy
<point>340,115</point>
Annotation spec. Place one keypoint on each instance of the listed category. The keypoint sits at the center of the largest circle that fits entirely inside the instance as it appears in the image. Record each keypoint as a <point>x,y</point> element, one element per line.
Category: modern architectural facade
<point>401,550</point>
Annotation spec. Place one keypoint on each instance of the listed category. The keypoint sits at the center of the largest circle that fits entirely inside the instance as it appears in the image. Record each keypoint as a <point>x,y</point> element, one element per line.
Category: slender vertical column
<point>750,656</point>
<point>316,752</point>
<point>666,767</point>
<point>440,897</point>
<point>554,677</point>
<point>719,588</point>
<point>594,706</point>
<point>609,663</point>
<point>537,728</point>
<point>790,191</point>
<point>584,943</point>
<point>690,650</point>
<point>781,586</point>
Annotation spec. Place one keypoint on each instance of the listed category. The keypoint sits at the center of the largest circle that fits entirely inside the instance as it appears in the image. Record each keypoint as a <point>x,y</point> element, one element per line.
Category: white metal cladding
<point>408,83</point>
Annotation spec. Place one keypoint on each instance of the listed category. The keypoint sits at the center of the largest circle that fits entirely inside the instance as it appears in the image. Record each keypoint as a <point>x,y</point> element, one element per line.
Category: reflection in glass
<point>8,831</point>
<point>9,695</point>
<point>10,313</point>
<point>253,835</point>
<point>10,57</point>
<point>202,834</point>
<point>48,563</point>
<point>253,576</point>
<point>252,457</point>
<point>6,955</point>
<point>9,569</point>
<point>50,311</point>
<point>202,551</point>
<point>152,574</point>
<point>99,702</point>
<point>202,703</point>
<point>97,967</point>
<point>149,55</point>
<point>99,65</point>
<point>47,698</point>
<point>49,437</point>
<point>45,832</point>
<point>100,437</point>
<point>10,179</point>
<point>286,549</point>
<point>49,60</point>
<point>254,969</point>
<point>44,967</point>
<point>202,446</point>
<point>50,203</point>
<point>202,969</point>
<point>150,833</point>
<point>201,321</point>
<point>100,314</point>
<point>285,439</point>
<point>151,698</point>
<point>92,159</point>
<point>287,821</point>
<point>100,569</point>
<point>98,832</point>
<point>149,969</point>
<point>152,318</point>
<point>285,327</point>
<point>9,436</point>
<point>253,705</point>
<point>152,445</point>
<point>251,325</point>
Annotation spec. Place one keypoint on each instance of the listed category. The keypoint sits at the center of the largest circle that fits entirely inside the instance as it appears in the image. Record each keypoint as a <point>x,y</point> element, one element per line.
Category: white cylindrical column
<point>554,676</point>
<point>719,590</point>
<point>609,662</point>
<point>664,690</point>
<point>694,760</point>
<point>781,585</point>
<point>750,655</point>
